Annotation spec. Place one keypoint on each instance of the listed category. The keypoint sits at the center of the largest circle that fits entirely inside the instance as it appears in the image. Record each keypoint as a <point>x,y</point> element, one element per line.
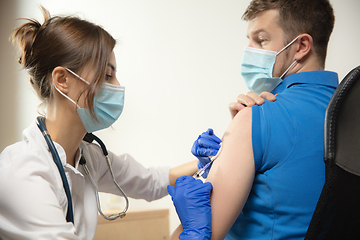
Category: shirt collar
<point>33,132</point>
<point>326,78</point>
<point>62,156</point>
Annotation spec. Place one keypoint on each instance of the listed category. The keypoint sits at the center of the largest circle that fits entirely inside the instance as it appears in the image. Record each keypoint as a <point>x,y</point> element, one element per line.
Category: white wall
<point>8,77</point>
<point>179,61</point>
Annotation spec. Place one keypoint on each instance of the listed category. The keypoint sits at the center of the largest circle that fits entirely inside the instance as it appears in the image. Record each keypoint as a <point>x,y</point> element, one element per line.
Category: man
<point>270,172</point>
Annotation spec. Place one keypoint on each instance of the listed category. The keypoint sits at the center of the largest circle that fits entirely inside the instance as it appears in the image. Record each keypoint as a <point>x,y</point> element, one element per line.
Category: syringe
<point>201,171</point>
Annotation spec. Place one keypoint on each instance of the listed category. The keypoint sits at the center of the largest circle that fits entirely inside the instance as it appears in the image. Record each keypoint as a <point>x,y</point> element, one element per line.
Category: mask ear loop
<point>77,76</point>
<point>288,69</point>
<point>65,94</point>
<point>288,45</point>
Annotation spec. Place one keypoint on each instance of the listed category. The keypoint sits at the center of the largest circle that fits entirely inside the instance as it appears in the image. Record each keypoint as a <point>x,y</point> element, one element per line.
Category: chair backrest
<point>337,214</point>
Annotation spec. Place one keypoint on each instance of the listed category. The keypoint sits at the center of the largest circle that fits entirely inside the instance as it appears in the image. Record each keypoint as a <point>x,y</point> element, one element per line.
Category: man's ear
<point>60,80</point>
<point>306,43</point>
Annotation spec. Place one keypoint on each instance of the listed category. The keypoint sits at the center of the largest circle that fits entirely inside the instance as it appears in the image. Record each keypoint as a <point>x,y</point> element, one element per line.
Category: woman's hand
<point>249,100</point>
<point>205,146</point>
<point>192,203</point>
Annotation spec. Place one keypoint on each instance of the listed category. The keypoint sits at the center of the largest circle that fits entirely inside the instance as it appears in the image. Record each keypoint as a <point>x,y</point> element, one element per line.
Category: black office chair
<point>337,214</point>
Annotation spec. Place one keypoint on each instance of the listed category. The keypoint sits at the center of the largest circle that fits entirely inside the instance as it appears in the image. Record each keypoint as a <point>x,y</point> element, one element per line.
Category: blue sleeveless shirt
<point>288,146</point>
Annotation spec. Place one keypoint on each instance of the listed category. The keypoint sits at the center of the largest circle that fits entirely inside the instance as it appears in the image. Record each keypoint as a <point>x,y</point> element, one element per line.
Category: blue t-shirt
<point>288,145</point>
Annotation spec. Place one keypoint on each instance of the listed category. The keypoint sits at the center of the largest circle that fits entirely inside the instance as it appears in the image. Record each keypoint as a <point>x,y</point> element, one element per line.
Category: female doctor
<point>49,181</point>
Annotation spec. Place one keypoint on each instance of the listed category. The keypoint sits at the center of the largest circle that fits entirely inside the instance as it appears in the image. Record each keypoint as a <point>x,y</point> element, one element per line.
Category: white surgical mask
<point>257,68</point>
<point>108,106</point>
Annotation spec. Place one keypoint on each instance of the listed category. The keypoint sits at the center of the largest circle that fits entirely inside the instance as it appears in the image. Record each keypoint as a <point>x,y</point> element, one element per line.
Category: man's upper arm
<point>232,174</point>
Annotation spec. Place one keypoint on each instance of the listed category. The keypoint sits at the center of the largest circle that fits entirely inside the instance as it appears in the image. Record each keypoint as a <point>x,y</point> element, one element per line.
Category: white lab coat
<point>33,202</point>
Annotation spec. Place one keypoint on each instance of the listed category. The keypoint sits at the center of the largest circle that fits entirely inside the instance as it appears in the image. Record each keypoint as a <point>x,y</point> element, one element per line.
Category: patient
<point>270,172</point>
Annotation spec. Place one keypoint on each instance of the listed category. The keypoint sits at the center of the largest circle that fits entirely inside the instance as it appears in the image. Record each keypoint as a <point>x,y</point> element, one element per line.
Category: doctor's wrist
<point>195,234</point>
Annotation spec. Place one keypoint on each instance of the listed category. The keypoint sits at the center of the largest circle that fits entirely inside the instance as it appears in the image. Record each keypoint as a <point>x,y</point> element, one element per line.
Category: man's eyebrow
<point>256,32</point>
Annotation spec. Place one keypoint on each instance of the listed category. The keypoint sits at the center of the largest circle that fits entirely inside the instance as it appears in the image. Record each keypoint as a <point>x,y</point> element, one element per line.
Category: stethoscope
<point>89,137</point>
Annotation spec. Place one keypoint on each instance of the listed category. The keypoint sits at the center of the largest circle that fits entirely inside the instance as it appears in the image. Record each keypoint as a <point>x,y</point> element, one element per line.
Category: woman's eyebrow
<point>112,67</point>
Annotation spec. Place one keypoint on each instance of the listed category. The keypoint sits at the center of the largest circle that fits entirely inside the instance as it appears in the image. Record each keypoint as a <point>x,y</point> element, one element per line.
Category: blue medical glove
<point>192,203</point>
<point>207,144</point>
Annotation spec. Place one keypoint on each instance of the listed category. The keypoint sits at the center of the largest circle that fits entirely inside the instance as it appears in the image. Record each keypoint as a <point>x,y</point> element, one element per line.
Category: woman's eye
<point>108,77</point>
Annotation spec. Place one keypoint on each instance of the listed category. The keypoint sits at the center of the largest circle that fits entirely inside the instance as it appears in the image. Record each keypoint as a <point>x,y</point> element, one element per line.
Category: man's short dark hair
<point>314,17</point>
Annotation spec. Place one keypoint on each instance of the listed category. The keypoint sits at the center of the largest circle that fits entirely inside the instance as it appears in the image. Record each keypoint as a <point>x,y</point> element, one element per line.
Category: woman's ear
<point>306,43</point>
<point>60,80</point>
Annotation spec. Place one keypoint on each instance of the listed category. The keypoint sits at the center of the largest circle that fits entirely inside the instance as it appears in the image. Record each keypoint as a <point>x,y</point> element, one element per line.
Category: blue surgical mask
<point>108,106</point>
<point>257,68</point>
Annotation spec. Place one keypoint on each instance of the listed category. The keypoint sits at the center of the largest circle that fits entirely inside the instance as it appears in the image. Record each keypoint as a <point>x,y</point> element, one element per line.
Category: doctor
<point>72,68</point>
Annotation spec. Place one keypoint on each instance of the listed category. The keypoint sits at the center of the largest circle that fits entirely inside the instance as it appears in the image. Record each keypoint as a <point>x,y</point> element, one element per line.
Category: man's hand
<point>249,100</point>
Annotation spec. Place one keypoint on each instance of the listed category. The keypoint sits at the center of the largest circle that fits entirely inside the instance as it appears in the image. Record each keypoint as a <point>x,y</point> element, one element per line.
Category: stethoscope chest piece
<point>89,137</point>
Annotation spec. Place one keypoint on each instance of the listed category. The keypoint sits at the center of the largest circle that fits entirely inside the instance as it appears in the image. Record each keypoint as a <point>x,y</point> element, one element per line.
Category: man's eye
<point>262,41</point>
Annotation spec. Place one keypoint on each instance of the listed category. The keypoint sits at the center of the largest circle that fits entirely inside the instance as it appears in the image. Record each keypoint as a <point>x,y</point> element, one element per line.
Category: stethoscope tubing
<point>89,137</point>
<point>56,158</point>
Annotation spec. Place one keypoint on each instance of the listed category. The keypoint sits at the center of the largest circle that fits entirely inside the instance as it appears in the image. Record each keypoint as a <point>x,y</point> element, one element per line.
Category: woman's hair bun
<point>25,36</point>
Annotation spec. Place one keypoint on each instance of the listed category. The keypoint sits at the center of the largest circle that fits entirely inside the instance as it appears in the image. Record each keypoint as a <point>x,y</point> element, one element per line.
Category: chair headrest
<point>342,124</point>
